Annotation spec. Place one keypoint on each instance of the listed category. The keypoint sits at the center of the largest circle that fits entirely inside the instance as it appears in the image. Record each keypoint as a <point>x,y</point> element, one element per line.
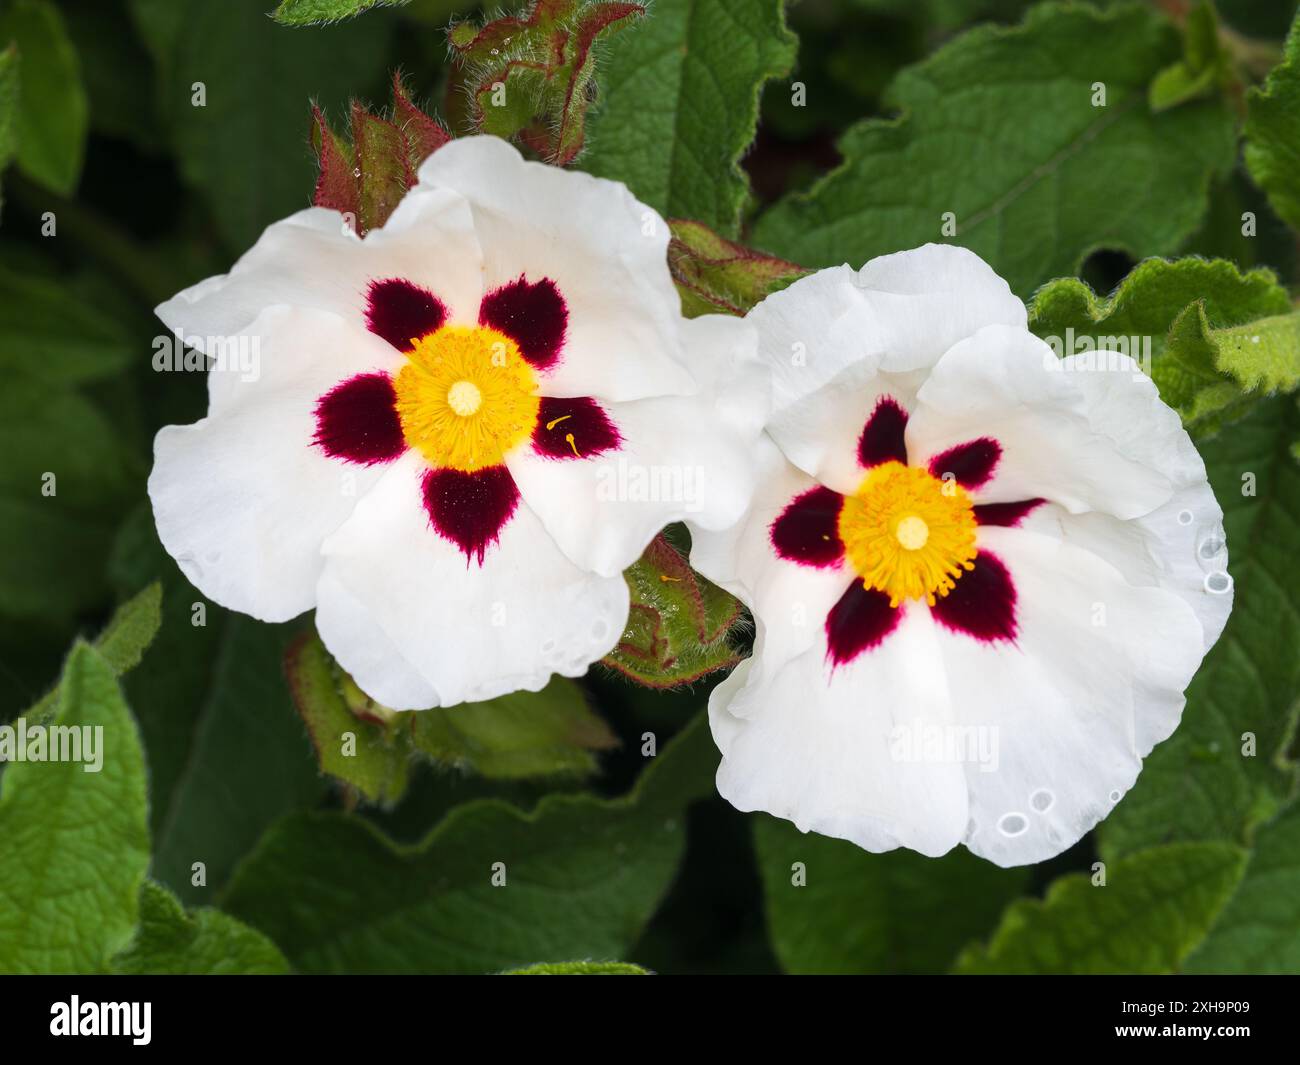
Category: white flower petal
<point>1000,383</point>
<point>1181,546</point>
<point>311,260</point>
<point>1094,680</point>
<point>680,457</point>
<point>605,250</point>
<point>243,499</point>
<point>899,312</point>
<point>819,749</point>
<point>417,625</point>
<point>790,602</point>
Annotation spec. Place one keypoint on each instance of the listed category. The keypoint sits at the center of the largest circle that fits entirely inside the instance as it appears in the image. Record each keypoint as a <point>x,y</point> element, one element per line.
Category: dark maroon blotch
<point>971,463</point>
<point>400,312</point>
<point>882,436</point>
<point>983,604</point>
<point>470,509</point>
<point>1006,514</point>
<point>579,417</point>
<point>860,620</point>
<point>807,531</point>
<point>532,314</point>
<point>357,421</point>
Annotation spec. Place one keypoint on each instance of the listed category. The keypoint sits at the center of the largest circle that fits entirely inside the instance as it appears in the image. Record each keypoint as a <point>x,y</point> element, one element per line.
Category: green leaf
<point>1205,64</point>
<point>227,754</point>
<point>122,644</point>
<point>580,968</point>
<point>205,942</point>
<point>8,106</point>
<point>679,103</point>
<point>48,336</point>
<point>244,148</point>
<point>76,841</point>
<point>998,131</point>
<point>1232,366</point>
<point>679,623</point>
<point>371,753</point>
<point>717,276</point>
<point>1211,780</point>
<point>857,912</point>
<point>316,12</point>
<point>1152,910</point>
<point>66,474</point>
<point>53,113</point>
<point>531,76</point>
<point>369,747</point>
<point>1273,133</point>
<point>1259,929</point>
<point>526,734</point>
<point>1200,318</point>
<point>582,876</point>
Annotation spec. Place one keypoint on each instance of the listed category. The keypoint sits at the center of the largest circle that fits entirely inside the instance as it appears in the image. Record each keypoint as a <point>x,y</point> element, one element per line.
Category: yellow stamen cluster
<point>465,397</point>
<point>907,533</point>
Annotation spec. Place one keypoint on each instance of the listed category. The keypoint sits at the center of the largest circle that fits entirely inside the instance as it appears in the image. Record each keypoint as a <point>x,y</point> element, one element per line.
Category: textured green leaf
<point>122,644</point>
<point>206,942</point>
<point>1201,783</point>
<point>679,623</point>
<point>1273,133</point>
<point>244,150</point>
<point>857,912</point>
<point>999,129</point>
<point>717,276</point>
<point>76,842</point>
<point>1200,318</point>
<point>583,875</point>
<point>1153,909</point>
<point>526,734</point>
<point>370,753</point>
<point>580,968</point>
<point>53,113</point>
<point>314,12</point>
<point>679,101</point>
<point>1259,930</point>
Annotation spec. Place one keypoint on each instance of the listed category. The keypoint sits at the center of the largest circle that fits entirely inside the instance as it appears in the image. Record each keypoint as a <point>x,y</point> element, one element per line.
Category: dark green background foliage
<point>820,132</point>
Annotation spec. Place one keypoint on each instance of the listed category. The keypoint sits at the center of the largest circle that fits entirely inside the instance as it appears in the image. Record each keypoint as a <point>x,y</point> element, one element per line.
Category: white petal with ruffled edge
<point>830,751</point>
<point>1000,384</point>
<point>1180,546</point>
<point>1094,679</point>
<point>242,499</point>
<point>418,626</point>
<point>680,457</point>
<point>311,260</point>
<point>790,602</point>
<point>837,329</point>
<point>604,249</point>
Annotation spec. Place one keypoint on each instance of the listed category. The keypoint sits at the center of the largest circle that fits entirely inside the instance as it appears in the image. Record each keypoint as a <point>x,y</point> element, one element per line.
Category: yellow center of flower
<point>907,533</point>
<point>466,397</point>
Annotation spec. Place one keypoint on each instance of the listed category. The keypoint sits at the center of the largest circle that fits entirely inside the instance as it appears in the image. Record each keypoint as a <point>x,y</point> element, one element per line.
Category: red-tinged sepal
<point>717,276</point>
<point>680,625</point>
<point>531,77</point>
<point>367,178</point>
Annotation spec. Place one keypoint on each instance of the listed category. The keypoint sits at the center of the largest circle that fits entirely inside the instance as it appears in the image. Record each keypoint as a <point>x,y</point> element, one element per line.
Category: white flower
<point>982,578</point>
<point>463,428</point>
